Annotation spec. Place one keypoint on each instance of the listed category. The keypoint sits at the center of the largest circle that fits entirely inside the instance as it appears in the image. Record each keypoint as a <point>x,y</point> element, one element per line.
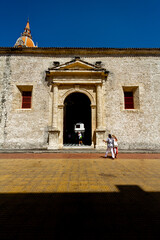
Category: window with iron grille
<point>26,99</point>
<point>128,100</point>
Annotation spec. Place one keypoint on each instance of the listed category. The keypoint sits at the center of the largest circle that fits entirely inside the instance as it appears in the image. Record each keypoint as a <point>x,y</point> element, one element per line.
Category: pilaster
<point>53,130</point>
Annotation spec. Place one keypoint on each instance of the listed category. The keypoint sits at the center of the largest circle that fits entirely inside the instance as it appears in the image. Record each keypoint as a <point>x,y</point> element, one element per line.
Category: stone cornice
<point>81,51</point>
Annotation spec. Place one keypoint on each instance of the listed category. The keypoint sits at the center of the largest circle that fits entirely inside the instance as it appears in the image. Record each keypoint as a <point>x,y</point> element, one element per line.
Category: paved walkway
<point>77,172</point>
<point>48,196</point>
<point>81,155</point>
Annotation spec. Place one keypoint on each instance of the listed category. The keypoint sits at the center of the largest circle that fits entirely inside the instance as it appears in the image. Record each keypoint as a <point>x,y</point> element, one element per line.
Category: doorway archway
<point>77,109</point>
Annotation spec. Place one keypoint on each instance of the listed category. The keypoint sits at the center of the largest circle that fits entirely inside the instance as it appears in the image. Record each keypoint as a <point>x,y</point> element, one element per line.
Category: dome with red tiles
<point>26,39</point>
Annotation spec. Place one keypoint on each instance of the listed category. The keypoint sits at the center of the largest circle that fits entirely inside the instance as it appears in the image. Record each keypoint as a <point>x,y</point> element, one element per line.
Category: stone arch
<point>77,109</point>
<point>74,90</point>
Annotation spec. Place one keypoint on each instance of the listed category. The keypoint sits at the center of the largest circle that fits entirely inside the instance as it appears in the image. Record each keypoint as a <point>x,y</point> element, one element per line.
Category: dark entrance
<point>77,109</point>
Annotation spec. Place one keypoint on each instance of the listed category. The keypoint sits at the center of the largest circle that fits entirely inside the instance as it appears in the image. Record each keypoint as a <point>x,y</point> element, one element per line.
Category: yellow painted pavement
<point>77,175</point>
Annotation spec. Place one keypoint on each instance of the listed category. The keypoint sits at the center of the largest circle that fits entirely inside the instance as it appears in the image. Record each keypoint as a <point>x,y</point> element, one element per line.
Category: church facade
<point>44,92</point>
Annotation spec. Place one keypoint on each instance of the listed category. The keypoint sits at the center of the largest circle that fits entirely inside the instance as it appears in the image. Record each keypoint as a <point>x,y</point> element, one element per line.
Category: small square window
<point>128,100</point>
<point>26,99</point>
<point>131,97</point>
<point>24,96</point>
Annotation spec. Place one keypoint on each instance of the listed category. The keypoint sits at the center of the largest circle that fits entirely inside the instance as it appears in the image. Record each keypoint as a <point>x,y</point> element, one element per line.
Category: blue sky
<point>101,23</point>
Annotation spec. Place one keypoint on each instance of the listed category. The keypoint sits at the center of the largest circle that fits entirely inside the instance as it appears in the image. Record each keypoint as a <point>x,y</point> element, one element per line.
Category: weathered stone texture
<point>138,128</point>
<point>135,129</point>
<point>22,128</point>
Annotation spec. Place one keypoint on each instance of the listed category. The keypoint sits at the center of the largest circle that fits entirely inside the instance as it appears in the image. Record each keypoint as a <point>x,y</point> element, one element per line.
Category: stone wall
<point>137,128</point>
<point>24,128</point>
<point>27,129</point>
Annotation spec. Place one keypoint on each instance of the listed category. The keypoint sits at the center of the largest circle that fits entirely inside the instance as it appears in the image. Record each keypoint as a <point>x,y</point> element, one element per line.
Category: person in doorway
<point>110,146</point>
<point>80,138</point>
<point>115,145</point>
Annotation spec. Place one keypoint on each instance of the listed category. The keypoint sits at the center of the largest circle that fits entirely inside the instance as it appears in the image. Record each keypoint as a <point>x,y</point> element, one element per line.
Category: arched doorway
<point>77,109</point>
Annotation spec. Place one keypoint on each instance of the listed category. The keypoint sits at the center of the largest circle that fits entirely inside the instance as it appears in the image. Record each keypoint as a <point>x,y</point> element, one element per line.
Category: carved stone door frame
<point>76,76</point>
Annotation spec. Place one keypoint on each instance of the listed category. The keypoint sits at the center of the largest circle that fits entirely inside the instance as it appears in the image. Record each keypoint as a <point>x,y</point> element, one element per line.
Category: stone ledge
<point>76,150</point>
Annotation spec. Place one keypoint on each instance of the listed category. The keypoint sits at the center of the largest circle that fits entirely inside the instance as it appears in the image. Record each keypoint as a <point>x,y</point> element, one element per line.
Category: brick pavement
<point>70,174</point>
<point>42,197</point>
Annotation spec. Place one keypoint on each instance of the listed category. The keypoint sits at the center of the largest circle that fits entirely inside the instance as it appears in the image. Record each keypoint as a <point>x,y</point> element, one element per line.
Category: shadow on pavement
<point>130,213</point>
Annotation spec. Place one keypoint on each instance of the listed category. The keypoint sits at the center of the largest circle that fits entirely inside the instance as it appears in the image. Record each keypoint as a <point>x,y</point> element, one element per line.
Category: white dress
<point>110,143</point>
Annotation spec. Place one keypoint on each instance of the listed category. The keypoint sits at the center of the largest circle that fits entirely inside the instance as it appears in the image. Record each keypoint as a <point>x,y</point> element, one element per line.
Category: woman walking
<point>115,145</point>
<point>110,146</point>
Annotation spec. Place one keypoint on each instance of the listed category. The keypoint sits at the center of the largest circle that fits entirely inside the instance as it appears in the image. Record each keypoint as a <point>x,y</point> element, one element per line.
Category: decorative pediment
<point>77,64</point>
<point>76,71</point>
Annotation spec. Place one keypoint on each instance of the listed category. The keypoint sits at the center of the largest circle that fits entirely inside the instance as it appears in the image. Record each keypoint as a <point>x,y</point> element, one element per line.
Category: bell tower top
<point>26,39</point>
<point>27,31</point>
